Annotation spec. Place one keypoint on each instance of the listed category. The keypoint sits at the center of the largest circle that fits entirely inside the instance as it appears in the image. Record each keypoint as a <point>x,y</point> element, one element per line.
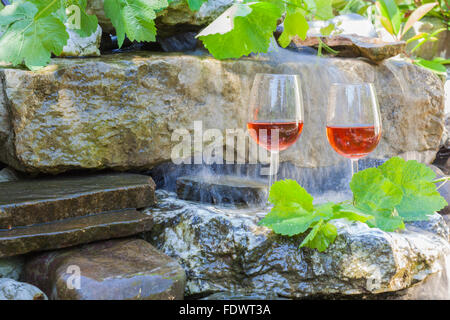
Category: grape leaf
<point>375,194</point>
<point>72,12</point>
<point>88,24</point>
<point>294,213</point>
<point>387,221</point>
<point>28,39</point>
<point>294,226</point>
<point>242,29</point>
<point>134,18</point>
<point>290,192</point>
<point>349,212</point>
<point>195,5</point>
<point>420,197</point>
<point>324,9</point>
<point>321,236</point>
<point>295,24</point>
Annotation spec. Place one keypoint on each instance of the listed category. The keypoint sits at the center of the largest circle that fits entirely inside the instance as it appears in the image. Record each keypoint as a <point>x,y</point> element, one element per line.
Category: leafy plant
<point>391,17</point>
<point>34,29</point>
<point>383,197</point>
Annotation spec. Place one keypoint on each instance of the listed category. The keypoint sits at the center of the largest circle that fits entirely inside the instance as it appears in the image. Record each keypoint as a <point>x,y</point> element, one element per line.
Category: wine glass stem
<point>354,164</point>
<point>274,163</point>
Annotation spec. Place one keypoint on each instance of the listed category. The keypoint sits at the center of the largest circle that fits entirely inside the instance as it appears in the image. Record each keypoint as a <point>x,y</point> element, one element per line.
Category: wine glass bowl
<point>288,133</point>
<point>275,119</point>
<point>353,120</point>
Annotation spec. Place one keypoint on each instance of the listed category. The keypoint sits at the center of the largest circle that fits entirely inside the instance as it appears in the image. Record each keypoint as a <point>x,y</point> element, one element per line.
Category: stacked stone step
<point>81,214</point>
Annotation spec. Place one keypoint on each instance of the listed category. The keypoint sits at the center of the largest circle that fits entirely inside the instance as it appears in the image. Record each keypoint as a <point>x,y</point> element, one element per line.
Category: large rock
<point>28,202</point>
<point>120,112</point>
<point>225,250</point>
<point>128,269</point>
<point>14,290</point>
<point>177,17</point>
<point>11,267</point>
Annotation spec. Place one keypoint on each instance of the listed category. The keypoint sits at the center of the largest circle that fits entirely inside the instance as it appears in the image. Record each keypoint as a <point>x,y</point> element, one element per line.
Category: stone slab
<point>355,46</point>
<point>28,202</point>
<point>109,270</point>
<point>74,231</point>
<point>219,189</point>
<point>120,112</point>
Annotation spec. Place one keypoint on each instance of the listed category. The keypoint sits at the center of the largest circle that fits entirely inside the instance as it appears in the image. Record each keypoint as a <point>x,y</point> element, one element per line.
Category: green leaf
<point>290,192</point>
<point>441,60</point>
<point>324,9</point>
<point>321,236</point>
<point>435,67</point>
<point>373,193</point>
<point>326,31</point>
<point>420,197</point>
<point>387,221</point>
<point>27,39</point>
<point>295,24</point>
<point>350,213</point>
<point>390,10</point>
<point>242,29</point>
<point>88,23</point>
<point>294,226</point>
<point>195,5</point>
<point>134,18</point>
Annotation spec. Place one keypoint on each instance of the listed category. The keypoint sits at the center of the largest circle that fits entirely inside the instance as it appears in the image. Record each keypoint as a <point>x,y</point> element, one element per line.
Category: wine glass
<point>276,115</point>
<point>353,121</point>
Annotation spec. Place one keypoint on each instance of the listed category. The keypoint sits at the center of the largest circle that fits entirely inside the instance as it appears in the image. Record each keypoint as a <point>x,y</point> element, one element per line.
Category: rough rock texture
<point>121,111</point>
<point>28,202</point>
<point>130,269</point>
<point>82,47</point>
<point>14,290</point>
<point>373,49</point>
<point>74,231</point>
<point>11,267</point>
<point>177,17</point>
<point>8,174</point>
<point>225,250</point>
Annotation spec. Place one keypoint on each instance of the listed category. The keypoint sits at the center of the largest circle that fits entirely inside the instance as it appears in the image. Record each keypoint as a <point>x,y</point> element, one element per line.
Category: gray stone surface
<point>14,290</point>
<point>11,267</point>
<point>225,250</point>
<point>33,201</point>
<point>82,46</point>
<point>220,189</point>
<point>120,112</point>
<point>128,269</point>
<point>73,231</point>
